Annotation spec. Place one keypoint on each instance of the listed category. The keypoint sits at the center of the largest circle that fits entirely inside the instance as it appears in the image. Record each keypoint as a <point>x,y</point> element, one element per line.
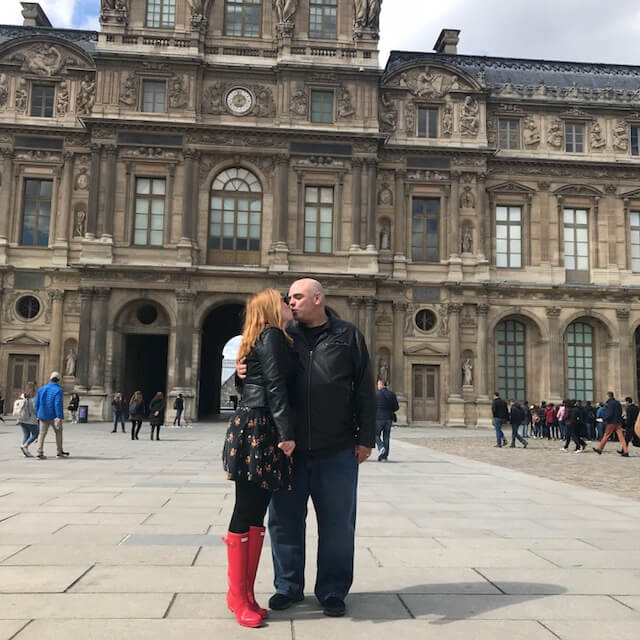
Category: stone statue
<point>129,90</point>
<point>470,117</point>
<point>620,136</point>
<point>21,96</point>
<point>70,363</point>
<point>43,59</point>
<point>4,90</point>
<point>345,104</point>
<point>86,96</point>
<point>366,14</point>
<point>383,370</point>
<point>178,96</point>
<point>467,372</point>
<point>108,5</point>
<point>62,101</point>
<point>388,113</point>
<point>530,134</point>
<point>447,120</point>
<point>555,135</point>
<point>373,14</point>
<point>597,139</point>
<point>285,10</point>
<point>299,102</point>
<point>444,320</point>
<point>467,201</point>
<point>467,240</point>
<point>78,226</point>
<point>385,238</point>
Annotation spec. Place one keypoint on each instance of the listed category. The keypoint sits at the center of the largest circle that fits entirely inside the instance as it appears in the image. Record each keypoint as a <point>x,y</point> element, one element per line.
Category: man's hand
<point>362,453</point>
<point>241,369</point>
<point>287,447</point>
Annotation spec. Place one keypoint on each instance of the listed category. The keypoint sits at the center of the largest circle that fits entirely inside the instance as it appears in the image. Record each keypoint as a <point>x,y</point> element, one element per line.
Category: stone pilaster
<point>355,303</point>
<point>454,216</point>
<point>280,247</point>
<point>397,360</point>
<point>56,298</point>
<point>400,232</point>
<point>94,193</point>
<point>62,227</point>
<point>455,410</point>
<point>84,339</point>
<point>555,355</point>
<point>111,152</point>
<point>5,202</point>
<point>356,203</point>
<point>372,203</point>
<point>100,322</point>
<point>482,372</point>
<point>484,219</point>
<point>183,381</point>
<point>623,351</point>
<point>370,305</point>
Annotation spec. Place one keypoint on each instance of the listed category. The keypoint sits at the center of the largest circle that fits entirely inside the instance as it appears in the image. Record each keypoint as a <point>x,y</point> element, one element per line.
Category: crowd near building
<point>478,218</point>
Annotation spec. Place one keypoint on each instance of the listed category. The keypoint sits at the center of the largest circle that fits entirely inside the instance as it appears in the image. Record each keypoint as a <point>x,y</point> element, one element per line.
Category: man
<point>386,406</point>
<point>500,413</point>
<point>178,405</point>
<point>335,431</point>
<point>517,418</point>
<point>49,411</point>
<point>613,420</point>
<point>632,411</point>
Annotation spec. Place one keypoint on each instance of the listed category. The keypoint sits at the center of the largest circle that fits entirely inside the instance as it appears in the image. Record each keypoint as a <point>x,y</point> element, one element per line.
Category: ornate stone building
<point>478,218</point>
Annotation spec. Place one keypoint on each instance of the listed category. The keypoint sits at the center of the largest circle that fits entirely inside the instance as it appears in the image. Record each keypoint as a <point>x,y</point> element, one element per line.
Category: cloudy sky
<point>584,30</point>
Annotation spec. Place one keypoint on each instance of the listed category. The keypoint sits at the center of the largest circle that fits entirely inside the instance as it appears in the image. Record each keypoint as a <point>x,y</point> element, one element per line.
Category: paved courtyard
<point>122,540</point>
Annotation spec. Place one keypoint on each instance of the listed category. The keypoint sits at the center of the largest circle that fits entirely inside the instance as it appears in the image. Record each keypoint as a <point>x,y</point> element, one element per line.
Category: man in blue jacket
<point>49,411</point>
<point>613,420</point>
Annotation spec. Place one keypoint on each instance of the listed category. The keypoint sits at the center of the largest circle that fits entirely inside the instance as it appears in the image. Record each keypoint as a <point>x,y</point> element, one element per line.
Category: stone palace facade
<point>478,218</point>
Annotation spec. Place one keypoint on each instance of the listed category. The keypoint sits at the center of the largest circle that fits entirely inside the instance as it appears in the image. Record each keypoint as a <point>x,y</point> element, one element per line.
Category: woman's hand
<point>287,447</point>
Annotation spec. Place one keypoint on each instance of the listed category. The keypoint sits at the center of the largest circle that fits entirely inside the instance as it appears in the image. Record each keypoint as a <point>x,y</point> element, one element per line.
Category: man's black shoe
<point>280,602</point>
<point>597,451</point>
<point>63,454</point>
<point>333,607</point>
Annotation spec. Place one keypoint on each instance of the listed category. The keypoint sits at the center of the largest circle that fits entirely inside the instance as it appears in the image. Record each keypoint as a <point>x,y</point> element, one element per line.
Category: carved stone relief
<point>596,136</point>
<point>428,82</point>
<point>4,90</point>
<point>212,99</point>
<point>447,120</point>
<point>178,94</point>
<point>444,320</point>
<point>555,133</point>
<point>345,104</point>
<point>43,59</point>
<point>62,100</point>
<point>299,102</point>
<point>37,155</point>
<point>21,96</point>
<point>129,90</point>
<point>86,97</point>
<point>385,197</point>
<point>470,117</point>
<point>410,119</point>
<point>388,113</point>
<point>620,136</point>
<point>530,133</point>
<point>467,199</point>
<point>265,105</point>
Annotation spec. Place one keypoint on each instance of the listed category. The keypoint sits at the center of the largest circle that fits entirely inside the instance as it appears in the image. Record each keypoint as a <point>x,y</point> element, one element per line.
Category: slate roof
<point>86,40</point>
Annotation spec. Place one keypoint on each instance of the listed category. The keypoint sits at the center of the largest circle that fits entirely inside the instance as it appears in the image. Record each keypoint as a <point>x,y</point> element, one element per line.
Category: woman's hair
<point>159,394</point>
<point>264,309</point>
<point>137,395</point>
<point>29,389</point>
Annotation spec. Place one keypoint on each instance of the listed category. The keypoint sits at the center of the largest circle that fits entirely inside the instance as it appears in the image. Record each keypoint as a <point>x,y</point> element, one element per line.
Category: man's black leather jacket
<point>335,394</point>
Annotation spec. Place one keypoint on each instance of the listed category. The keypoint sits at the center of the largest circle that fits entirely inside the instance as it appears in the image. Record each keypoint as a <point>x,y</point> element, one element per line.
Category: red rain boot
<point>237,552</point>
<point>256,538</point>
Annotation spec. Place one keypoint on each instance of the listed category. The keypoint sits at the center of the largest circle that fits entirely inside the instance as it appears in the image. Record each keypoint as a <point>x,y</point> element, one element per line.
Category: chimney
<point>447,41</point>
<point>34,16</point>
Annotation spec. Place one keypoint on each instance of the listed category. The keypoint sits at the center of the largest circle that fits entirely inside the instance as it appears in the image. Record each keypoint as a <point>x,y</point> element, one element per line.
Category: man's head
<point>610,394</point>
<point>496,394</point>
<point>629,400</point>
<point>381,383</point>
<point>306,300</point>
<point>55,376</point>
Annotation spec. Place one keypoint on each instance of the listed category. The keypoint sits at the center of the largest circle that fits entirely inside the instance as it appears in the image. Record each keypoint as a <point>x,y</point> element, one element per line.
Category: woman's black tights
<point>135,428</point>
<point>250,508</point>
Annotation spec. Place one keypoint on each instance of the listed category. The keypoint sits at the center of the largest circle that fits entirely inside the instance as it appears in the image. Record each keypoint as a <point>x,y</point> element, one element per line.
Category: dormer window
<point>42,100</point>
<point>161,14</point>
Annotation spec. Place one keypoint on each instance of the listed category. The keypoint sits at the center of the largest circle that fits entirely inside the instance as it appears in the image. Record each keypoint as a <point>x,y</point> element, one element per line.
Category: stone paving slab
<point>594,630</point>
<point>41,579</point>
<point>9,628</point>
<point>9,550</point>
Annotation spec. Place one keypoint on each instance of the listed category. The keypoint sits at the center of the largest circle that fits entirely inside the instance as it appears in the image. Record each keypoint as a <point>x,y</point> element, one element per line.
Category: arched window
<point>235,218</point>
<point>510,351</point>
<point>580,361</point>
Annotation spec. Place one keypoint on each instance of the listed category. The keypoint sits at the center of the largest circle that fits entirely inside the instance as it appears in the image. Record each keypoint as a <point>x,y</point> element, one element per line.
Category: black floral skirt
<point>251,451</point>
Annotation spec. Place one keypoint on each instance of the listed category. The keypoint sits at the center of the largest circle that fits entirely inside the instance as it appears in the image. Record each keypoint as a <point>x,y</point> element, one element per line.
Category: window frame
<point>171,4</point>
<point>319,91</point>
<point>325,7</point>
<point>150,198</point>
<point>634,129</point>
<point>634,230</point>
<point>42,85</point>
<point>512,349</point>
<point>572,139</point>
<point>575,394</point>
<point>318,204</point>
<point>518,135</point>
<point>435,123</point>
<point>426,216</point>
<point>38,199</point>
<point>155,81</point>
<point>509,224</point>
<point>575,226</point>
<point>243,4</point>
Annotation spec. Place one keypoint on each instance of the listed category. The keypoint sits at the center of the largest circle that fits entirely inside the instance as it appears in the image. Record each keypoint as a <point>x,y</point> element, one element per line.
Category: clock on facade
<point>239,101</point>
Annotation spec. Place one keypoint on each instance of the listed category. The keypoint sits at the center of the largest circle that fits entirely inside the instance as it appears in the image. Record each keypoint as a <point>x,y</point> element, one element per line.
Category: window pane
<point>322,106</point>
<point>510,368</point>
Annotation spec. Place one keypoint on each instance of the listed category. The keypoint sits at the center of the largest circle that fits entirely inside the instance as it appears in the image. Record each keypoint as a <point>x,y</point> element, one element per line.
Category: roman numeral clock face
<point>239,101</point>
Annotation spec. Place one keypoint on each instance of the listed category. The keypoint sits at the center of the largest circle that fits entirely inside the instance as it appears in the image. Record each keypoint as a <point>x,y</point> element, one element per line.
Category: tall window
<point>318,219</point>
<point>36,212</point>
<point>635,146</point>
<point>576,240</point>
<point>427,122</point>
<point>425,225</point>
<point>509,133</point>
<point>574,137</point>
<point>242,18</point>
<point>509,237</point>
<point>322,19</point>
<point>149,220</point>
<point>322,106</point>
<point>154,96</point>
<point>580,361</point>
<point>235,217</point>
<point>634,227</point>
<point>42,100</point>
<point>161,13</point>
<point>510,348</point>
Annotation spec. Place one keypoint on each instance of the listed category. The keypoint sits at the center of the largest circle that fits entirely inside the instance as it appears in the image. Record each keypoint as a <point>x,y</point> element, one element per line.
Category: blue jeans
<point>118,417</point>
<point>497,425</point>
<point>525,430</point>
<point>29,433</point>
<point>332,483</point>
<point>383,434</point>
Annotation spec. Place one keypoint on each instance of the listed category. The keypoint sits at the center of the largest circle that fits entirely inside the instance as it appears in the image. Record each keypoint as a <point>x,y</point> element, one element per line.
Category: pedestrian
<point>536,420</point>
<point>25,413</point>
<point>632,412</point>
<point>600,414</point>
<point>527,425</point>
<point>589,421</point>
<point>157,408</point>
<point>50,412</point>
<point>258,445</point>
<point>1,407</point>
<point>516,416</point>
<point>500,412</point>
<point>613,421</point>
<point>136,413</point>
<point>178,405</point>
<point>386,406</point>
<point>549,421</point>
<point>335,432</point>
<point>72,407</point>
<point>572,424</point>
<point>561,414</point>
<point>119,411</point>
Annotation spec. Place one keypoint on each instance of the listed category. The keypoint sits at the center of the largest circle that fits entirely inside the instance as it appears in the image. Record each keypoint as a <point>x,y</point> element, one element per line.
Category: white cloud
<point>59,12</point>
<point>230,350</point>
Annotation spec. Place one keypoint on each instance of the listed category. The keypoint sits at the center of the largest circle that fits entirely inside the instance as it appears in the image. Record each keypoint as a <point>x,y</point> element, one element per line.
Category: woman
<point>119,411</point>
<point>136,413</point>
<point>156,413</point>
<point>258,446</point>
<point>571,422</point>
<point>27,419</point>
<point>74,403</point>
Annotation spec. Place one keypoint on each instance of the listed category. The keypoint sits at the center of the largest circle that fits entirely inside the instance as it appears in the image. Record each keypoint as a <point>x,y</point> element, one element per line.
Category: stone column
<point>356,202</point>
<point>184,339</point>
<point>455,381</point>
<point>283,201</point>
<point>109,192</point>
<point>84,338</point>
<point>370,326</point>
<point>354,304</point>
<point>371,210</point>
<point>195,199</point>
<point>482,373</point>
<point>624,350</point>
<point>483,230</point>
<point>400,235</point>
<point>454,216</point>
<point>5,199</point>
<point>543,222</point>
<point>62,228</point>
<point>187,198</point>
<point>555,357</point>
<point>397,360</point>
<point>100,322</point>
<point>56,298</point>
<point>94,193</point>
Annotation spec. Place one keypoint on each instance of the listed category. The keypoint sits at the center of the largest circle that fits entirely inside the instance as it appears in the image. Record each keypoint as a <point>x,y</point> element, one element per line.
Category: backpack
<point>134,408</point>
<point>17,407</point>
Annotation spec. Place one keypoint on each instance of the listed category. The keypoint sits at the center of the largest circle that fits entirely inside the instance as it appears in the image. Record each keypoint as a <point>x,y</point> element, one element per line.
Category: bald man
<point>334,402</point>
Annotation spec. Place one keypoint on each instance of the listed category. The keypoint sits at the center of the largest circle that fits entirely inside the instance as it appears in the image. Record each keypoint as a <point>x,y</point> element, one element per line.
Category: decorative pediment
<point>575,114</point>
<point>46,58</point>
<point>425,349</point>
<point>511,187</point>
<point>578,190</point>
<point>433,81</point>
<point>25,339</point>
<point>631,195</point>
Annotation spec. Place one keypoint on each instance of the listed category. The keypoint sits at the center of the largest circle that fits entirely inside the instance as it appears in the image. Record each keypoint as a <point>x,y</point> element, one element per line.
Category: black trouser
<point>250,508</point>
<point>572,434</point>
<point>178,416</point>
<point>516,436</point>
<point>135,428</point>
<point>155,428</point>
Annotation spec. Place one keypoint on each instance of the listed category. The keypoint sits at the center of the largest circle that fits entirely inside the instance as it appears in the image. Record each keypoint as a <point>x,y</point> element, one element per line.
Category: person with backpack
<point>136,413</point>
<point>178,405</point>
<point>25,413</point>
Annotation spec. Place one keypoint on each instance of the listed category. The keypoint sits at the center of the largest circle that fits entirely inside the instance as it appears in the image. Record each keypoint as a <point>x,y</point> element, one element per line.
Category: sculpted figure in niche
<point>386,196</point>
<point>383,369</point>
<point>78,225</point>
<point>467,201</point>
<point>62,101</point>
<point>86,97</point>
<point>467,372</point>
<point>554,137</point>
<point>82,180</point>
<point>467,240</point>
<point>470,118</point>
<point>597,139</point>
<point>388,113</point>
<point>620,136</point>
<point>447,120</point>
<point>299,103</point>
<point>129,90</point>
<point>285,10</point>
<point>43,59</point>
<point>70,363</point>
<point>4,89</point>
<point>385,238</point>
<point>345,105</point>
<point>530,134</point>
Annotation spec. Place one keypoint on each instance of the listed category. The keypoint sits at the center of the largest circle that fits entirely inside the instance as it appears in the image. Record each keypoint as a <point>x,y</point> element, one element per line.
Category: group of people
<point>136,410</point>
<point>571,420</point>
